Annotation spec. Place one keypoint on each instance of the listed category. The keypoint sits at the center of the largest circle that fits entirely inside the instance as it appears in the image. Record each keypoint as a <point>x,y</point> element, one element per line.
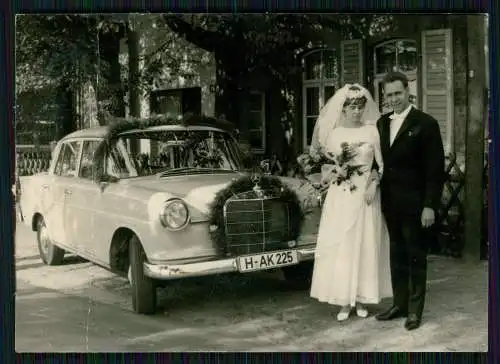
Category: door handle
<point>67,192</point>
<point>45,187</point>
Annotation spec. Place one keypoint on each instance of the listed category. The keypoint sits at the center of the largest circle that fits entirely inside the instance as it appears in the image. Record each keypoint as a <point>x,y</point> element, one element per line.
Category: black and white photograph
<point>277,182</point>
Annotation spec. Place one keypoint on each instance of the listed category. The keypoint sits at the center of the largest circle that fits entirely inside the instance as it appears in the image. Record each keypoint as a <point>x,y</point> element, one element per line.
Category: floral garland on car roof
<point>122,125</point>
<point>118,126</point>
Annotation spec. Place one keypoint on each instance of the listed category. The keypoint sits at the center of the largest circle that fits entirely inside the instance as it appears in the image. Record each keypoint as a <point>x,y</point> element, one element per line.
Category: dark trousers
<point>408,261</point>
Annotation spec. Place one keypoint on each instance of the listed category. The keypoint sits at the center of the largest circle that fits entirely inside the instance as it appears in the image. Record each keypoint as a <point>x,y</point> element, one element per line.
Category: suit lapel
<point>407,124</point>
<point>385,136</point>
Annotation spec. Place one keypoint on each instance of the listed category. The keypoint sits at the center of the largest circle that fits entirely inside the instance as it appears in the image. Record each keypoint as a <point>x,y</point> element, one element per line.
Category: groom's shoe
<point>392,313</point>
<point>412,322</point>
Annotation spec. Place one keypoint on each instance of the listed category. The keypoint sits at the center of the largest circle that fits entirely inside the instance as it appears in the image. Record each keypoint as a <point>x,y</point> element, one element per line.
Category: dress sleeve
<point>377,150</point>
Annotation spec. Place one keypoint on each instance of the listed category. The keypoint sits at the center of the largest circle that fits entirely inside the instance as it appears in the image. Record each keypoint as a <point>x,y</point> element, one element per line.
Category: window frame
<point>393,40</point>
<point>87,140</point>
<point>60,154</point>
<point>412,75</point>
<point>320,83</point>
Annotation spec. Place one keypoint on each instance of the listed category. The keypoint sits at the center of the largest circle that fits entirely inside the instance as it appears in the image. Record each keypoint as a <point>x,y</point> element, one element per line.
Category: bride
<point>351,265</point>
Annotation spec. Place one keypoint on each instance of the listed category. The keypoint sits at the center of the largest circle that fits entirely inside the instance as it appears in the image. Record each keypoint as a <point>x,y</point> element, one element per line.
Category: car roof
<point>94,132</point>
<point>98,132</point>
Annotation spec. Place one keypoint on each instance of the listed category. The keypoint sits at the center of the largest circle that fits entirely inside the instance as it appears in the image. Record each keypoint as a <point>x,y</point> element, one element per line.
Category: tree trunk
<point>133,69</point>
<point>66,120</point>
<point>476,118</point>
<point>133,75</point>
<point>114,93</point>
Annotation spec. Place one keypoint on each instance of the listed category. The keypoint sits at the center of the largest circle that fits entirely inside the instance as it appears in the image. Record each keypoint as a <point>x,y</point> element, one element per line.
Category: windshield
<point>164,152</point>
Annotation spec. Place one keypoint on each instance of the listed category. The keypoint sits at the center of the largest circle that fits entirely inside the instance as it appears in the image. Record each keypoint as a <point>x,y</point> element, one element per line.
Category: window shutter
<point>352,62</point>
<point>437,81</point>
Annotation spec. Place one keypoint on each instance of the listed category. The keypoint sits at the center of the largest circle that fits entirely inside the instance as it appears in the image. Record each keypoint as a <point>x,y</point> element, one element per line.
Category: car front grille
<point>256,225</point>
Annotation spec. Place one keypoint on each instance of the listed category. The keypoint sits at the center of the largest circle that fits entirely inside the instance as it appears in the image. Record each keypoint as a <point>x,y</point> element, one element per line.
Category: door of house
<point>173,103</point>
<point>395,55</point>
<point>176,102</point>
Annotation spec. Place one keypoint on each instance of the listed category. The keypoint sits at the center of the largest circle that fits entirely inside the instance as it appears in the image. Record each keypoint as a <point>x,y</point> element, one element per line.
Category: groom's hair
<point>355,100</point>
<point>394,76</point>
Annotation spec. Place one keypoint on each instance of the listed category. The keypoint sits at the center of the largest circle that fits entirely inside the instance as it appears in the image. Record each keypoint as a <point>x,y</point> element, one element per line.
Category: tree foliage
<point>64,48</point>
<point>271,41</point>
<point>51,48</point>
<point>67,50</point>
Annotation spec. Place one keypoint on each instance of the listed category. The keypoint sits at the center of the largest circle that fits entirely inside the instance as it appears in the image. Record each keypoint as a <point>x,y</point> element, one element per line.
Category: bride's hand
<point>370,193</point>
<point>374,176</point>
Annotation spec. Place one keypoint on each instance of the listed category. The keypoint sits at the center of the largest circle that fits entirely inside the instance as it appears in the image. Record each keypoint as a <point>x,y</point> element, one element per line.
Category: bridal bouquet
<point>341,167</point>
<point>310,165</point>
<point>310,170</point>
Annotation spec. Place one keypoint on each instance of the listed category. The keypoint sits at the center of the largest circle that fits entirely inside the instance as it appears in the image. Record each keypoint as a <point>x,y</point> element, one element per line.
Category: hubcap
<point>44,240</point>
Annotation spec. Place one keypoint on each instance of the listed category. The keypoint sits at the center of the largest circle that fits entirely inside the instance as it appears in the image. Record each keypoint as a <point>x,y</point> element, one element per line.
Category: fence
<point>32,159</point>
<point>451,215</point>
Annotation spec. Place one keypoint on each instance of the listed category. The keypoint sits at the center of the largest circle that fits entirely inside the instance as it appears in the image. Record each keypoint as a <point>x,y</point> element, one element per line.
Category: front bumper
<point>167,271</point>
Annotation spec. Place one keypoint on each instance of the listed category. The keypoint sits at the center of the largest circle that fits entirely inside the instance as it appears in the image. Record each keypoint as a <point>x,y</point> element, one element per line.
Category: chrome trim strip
<point>174,271</point>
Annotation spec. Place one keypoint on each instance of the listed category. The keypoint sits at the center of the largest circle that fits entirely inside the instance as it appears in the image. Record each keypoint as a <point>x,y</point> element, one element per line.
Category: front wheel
<point>299,276</point>
<point>50,254</point>
<point>143,287</point>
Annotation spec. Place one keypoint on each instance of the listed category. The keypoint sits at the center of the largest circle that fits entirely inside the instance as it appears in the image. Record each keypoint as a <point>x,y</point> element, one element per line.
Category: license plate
<point>263,261</point>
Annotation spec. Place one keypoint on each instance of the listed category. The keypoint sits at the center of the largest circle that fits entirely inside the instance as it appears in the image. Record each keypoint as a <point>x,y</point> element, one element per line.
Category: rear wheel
<point>143,287</point>
<point>50,254</point>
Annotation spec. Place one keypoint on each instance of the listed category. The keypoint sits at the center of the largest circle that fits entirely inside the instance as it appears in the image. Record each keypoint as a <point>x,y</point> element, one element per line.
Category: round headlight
<point>174,215</point>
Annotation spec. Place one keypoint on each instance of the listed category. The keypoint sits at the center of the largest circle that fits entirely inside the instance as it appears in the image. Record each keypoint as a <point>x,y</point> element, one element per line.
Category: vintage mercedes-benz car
<point>162,200</point>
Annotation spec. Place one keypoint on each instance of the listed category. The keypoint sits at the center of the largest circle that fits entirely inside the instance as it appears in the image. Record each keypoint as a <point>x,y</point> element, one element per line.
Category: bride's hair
<point>355,96</point>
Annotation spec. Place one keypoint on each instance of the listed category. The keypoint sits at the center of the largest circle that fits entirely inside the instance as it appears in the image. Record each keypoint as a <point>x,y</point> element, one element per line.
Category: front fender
<point>162,244</point>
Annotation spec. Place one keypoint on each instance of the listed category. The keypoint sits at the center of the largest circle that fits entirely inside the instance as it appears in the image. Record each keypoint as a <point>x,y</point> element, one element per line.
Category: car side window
<point>116,166</point>
<point>68,159</point>
<point>87,165</point>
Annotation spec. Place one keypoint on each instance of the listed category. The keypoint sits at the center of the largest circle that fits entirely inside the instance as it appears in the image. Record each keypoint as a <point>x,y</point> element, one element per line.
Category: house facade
<point>436,54</point>
<point>430,49</point>
<point>187,82</point>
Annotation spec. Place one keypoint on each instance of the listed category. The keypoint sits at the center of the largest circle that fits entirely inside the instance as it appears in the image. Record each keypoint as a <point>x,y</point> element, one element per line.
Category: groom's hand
<point>428,217</point>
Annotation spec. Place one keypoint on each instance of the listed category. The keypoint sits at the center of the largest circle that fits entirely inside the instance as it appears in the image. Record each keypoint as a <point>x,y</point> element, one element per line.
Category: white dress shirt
<point>396,122</point>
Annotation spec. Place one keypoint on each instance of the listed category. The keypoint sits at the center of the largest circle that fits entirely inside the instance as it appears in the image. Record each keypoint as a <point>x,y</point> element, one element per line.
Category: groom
<point>411,189</point>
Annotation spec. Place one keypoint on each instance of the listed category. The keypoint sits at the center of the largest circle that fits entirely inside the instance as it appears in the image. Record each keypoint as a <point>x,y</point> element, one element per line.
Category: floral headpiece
<point>354,94</point>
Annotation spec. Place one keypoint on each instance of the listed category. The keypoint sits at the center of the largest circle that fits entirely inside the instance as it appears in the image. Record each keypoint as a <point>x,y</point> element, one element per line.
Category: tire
<point>50,254</point>
<point>299,276</point>
<point>143,287</point>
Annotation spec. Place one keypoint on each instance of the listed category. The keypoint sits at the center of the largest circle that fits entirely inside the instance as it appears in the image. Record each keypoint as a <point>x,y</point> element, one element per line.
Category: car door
<point>105,201</point>
<point>81,203</point>
<point>59,191</point>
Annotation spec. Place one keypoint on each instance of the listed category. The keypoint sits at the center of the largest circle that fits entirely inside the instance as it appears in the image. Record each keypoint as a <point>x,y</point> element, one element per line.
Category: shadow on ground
<point>256,312</point>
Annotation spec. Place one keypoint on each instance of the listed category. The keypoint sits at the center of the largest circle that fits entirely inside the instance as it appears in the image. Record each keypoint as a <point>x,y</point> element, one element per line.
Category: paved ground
<point>80,307</point>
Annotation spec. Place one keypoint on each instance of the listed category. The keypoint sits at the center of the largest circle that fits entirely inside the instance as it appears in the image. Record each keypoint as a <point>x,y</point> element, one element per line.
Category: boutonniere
<point>413,132</point>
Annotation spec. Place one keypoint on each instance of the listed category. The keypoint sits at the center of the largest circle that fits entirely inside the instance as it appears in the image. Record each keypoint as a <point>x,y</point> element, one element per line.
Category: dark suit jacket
<point>413,175</point>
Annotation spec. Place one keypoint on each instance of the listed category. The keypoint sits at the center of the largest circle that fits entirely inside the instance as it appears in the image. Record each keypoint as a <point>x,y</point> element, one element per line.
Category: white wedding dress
<point>352,254</point>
